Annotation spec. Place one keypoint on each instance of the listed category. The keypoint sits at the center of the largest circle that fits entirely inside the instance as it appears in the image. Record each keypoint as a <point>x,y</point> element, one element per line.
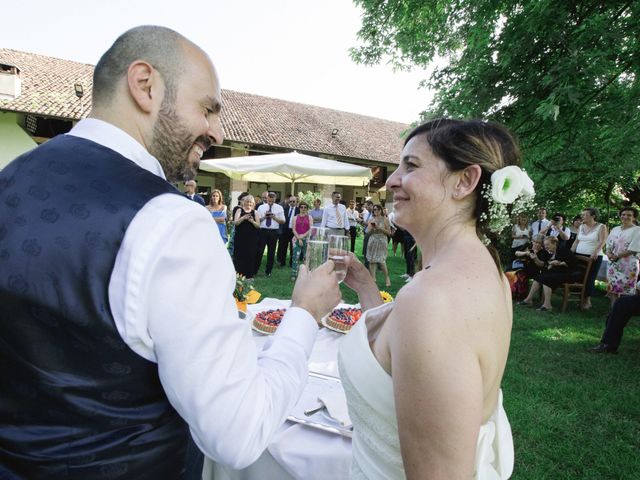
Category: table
<point>297,451</point>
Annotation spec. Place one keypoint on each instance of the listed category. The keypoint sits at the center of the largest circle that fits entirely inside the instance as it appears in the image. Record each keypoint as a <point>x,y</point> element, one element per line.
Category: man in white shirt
<point>353,216</point>
<point>334,216</point>
<point>541,223</point>
<point>556,228</point>
<point>271,217</point>
<point>161,301</point>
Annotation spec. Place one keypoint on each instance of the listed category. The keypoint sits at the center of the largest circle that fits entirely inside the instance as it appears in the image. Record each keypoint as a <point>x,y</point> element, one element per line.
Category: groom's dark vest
<point>76,401</point>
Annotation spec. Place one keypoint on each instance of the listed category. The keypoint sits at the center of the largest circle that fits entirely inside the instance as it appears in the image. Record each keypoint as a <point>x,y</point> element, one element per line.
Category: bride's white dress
<point>376,445</point>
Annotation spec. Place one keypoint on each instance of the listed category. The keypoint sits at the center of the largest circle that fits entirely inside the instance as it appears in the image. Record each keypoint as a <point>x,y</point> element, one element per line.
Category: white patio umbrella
<point>293,167</point>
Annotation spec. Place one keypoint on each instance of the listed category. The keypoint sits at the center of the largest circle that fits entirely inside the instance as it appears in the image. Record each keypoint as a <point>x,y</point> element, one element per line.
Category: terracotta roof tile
<point>47,85</point>
<point>48,90</point>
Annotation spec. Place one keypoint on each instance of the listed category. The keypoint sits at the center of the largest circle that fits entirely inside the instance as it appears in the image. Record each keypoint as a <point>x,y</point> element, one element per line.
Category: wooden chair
<point>577,289</point>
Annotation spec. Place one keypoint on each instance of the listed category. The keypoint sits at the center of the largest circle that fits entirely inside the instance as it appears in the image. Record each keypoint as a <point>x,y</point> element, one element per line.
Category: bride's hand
<point>360,280</point>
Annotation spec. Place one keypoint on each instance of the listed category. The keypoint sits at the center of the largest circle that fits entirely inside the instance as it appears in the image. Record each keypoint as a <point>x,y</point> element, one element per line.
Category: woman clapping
<point>559,268</point>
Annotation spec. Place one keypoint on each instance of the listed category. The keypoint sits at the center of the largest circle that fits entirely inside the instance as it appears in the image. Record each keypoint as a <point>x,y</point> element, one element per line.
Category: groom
<point>119,333</point>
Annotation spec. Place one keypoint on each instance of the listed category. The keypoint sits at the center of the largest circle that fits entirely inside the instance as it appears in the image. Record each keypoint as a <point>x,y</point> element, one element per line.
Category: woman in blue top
<point>218,211</point>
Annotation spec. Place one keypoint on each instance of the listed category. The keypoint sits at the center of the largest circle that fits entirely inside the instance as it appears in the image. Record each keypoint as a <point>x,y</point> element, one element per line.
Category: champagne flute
<point>338,252</point>
<point>317,248</point>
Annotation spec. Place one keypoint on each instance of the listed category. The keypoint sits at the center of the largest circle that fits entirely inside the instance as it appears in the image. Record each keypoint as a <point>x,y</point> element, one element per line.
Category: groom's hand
<point>317,292</point>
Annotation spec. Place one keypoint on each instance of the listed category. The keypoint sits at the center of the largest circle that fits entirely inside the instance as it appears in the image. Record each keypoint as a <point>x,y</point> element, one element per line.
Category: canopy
<point>293,167</point>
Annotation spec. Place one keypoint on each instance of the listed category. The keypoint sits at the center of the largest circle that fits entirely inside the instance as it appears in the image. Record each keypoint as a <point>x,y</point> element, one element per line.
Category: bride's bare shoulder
<point>454,295</point>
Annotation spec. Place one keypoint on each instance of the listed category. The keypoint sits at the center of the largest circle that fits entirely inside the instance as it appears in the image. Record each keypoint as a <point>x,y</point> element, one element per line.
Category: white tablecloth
<point>297,451</point>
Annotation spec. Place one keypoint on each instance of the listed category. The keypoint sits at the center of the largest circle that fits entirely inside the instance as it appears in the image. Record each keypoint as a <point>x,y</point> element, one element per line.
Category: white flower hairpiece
<point>509,185</point>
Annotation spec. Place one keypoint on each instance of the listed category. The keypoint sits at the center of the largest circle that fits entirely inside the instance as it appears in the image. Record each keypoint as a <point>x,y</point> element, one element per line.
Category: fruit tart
<point>342,319</point>
<point>268,321</point>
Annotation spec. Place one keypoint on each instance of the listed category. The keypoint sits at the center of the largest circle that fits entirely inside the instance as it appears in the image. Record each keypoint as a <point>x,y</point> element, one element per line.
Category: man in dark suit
<point>619,316</point>
<point>285,235</point>
<point>190,187</point>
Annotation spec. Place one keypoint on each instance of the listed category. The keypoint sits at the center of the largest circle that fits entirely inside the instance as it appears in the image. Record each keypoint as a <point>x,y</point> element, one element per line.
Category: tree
<point>562,75</point>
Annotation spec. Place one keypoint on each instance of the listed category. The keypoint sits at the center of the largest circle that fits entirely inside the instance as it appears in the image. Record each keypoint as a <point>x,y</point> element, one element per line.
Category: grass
<point>574,415</point>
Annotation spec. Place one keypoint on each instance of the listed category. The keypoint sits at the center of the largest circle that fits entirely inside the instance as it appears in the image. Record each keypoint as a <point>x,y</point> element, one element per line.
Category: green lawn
<point>574,415</point>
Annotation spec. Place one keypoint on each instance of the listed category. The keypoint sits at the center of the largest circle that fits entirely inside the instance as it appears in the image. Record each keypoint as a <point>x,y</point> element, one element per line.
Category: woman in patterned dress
<point>378,247</point>
<point>623,245</point>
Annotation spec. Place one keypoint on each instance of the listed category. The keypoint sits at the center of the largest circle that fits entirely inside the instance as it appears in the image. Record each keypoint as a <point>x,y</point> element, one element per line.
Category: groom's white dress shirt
<point>171,297</point>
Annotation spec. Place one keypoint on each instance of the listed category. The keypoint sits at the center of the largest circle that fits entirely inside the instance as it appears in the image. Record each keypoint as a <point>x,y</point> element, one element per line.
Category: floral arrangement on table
<point>386,296</point>
<point>244,292</point>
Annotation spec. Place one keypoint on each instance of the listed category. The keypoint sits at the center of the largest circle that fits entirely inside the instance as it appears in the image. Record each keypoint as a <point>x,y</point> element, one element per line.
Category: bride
<point>422,375</point>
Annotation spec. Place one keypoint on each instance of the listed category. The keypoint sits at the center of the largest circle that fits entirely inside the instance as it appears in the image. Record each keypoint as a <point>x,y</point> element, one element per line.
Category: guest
<point>232,224</point>
<point>397,238</point>
<point>410,255</point>
<point>520,234</point>
<point>263,200</point>
<point>301,229</point>
<point>316,212</point>
<point>422,374</point>
<point>285,233</point>
<point>589,242</point>
<point>556,228</point>
<point>121,338</point>
<point>533,261</point>
<point>560,268</point>
<point>271,217</point>
<point>190,187</point>
<point>218,211</point>
<point>378,247</point>
<point>334,216</point>
<point>574,228</point>
<point>365,218</point>
<point>623,245</point>
<point>352,216</point>
<point>540,223</point>
<point>619,315</point>
<point>247,237</point>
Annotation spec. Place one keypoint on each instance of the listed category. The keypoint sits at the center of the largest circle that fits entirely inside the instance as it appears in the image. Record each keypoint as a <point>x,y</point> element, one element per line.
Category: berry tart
<point>342,319</point>
<point>267,322</point>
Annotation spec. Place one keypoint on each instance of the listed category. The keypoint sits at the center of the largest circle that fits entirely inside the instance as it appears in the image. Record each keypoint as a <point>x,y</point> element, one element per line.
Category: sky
<point>293,50</point>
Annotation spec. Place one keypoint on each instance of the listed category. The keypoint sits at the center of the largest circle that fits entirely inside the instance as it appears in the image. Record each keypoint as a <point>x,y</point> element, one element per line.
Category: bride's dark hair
<point>461,143</point>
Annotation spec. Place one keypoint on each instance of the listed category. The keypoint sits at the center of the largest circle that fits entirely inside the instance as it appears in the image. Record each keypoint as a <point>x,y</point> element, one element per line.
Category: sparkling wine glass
<point>338,252</point>
<point>317,248</point>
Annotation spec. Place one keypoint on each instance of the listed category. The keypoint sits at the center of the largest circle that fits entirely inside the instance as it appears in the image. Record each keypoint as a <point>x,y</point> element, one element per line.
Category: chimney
<point>10,84</point>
